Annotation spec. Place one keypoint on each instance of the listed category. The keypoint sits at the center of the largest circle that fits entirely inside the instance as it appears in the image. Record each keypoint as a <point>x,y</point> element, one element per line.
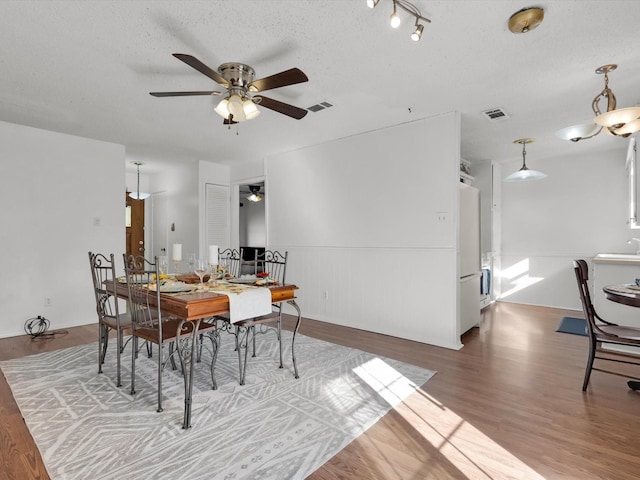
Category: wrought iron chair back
<point>232,258</point>
<point>103,274</point>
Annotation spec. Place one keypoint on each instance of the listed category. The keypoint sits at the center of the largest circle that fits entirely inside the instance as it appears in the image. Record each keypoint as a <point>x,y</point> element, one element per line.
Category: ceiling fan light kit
<point>524,174</point>
<point>620,122</point>
<point>409,8</point>
<point>242,96</point>
<point>255,195</point>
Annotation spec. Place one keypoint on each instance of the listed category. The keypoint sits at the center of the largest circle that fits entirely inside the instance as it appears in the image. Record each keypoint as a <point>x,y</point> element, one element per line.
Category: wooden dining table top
<point>192,306</point>
<point>626,294</point>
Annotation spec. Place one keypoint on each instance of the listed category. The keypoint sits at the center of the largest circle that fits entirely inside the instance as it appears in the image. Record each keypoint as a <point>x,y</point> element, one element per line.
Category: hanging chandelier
<point>524,174</point>
<point>620,122</point>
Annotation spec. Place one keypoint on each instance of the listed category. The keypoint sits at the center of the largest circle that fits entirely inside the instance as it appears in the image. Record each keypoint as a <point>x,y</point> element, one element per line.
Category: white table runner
<point>245,301</point>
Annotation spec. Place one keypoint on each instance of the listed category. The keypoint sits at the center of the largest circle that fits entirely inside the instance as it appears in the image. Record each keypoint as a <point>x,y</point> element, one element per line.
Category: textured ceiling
<point>85,68</point>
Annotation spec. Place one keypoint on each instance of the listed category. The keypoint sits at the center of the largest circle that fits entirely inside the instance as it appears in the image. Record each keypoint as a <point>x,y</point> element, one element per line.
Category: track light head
<point>372,3</point>
<point>417,34</point>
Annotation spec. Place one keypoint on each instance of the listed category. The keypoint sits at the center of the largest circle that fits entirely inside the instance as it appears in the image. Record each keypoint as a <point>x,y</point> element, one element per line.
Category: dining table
<point>195,306</point>
<point>626,294</point>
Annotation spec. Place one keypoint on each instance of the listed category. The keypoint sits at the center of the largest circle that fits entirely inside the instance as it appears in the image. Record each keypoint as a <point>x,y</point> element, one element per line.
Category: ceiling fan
<point>243,92</point>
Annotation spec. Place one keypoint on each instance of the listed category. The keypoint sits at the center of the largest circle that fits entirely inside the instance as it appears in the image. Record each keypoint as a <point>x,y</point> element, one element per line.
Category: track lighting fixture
<point>620,122</point>
<point>408,8</point>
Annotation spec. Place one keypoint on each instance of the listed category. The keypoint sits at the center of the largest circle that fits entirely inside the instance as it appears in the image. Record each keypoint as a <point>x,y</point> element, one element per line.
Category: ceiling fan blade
<point>202,68</point>
<point>182,94</point>
<point>282,79</point>
<point>281,107</point>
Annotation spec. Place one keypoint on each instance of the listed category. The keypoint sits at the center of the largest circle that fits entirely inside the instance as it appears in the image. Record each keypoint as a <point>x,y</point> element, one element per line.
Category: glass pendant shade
<point>524,174</point>
<point>624,121</point>
<point>578,132</point>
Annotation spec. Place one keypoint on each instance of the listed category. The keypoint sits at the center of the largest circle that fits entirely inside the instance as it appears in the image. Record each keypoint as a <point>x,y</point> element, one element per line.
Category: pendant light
<point>524,174</point>
<point>138,195</point>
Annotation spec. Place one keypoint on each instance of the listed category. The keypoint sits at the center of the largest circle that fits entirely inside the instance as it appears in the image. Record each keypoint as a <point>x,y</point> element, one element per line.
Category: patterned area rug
<point>274,427</point>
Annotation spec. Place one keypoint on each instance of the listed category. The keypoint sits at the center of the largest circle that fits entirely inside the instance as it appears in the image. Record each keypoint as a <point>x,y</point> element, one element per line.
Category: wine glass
<point>200,267</point>
<point>191,260</point>
<point>163,263</point>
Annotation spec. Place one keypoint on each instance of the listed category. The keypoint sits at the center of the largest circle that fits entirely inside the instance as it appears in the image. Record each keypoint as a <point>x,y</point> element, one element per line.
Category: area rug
<point>574,326</point>
<point>274,427</point>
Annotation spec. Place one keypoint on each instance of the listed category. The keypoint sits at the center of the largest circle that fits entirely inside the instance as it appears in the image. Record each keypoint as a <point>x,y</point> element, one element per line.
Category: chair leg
<point>280,339</point>
<point>134,354</point>
<point>243,343</point>
<point>100,348</point>
<point>160,352</point>
<point>587,373</point>
<point>118,350</point>
<point>293,338</point>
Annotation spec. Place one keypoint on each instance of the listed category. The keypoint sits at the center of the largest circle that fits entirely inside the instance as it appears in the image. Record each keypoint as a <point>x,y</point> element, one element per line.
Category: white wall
<point>579,210</point>
<point>360,220</point>
<point>61,197</point>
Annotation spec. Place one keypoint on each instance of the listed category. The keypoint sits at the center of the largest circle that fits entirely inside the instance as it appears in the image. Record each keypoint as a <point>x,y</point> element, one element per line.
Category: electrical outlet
<point>47,301</point>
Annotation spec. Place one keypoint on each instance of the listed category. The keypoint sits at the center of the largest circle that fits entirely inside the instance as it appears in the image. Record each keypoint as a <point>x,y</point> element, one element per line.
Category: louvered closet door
<point>218,214</point>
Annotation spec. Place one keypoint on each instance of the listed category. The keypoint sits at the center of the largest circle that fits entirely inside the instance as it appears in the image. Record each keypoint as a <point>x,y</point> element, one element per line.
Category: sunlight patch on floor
<point>471,452</point>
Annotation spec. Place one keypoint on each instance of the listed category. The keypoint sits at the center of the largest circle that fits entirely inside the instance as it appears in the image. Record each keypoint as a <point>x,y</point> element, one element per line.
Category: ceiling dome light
<point>417,34</point>
<point>524,174</point>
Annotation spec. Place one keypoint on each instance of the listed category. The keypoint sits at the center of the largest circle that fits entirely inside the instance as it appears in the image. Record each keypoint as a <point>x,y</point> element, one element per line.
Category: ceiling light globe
<point>222,109</point>
<point>395,20</point>
<point>236,108</point>
<point>250,109</point>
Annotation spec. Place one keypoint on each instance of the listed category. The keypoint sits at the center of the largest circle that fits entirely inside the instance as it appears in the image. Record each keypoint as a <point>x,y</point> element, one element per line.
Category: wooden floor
<point>507,405</point>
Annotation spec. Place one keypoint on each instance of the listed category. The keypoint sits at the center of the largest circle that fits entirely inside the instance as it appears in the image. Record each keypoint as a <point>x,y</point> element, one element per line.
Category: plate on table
<point>177,287</point>
<point>245,279</point>
<point>136,279</point>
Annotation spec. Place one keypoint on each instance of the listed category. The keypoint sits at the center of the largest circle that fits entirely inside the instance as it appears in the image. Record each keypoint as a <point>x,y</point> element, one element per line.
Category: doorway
<point>134,218</point>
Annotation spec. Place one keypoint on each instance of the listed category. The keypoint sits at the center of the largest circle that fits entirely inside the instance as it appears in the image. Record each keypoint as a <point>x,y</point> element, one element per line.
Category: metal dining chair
<point>103,273</point>
<point>275,264</point>
<point>149,324</point>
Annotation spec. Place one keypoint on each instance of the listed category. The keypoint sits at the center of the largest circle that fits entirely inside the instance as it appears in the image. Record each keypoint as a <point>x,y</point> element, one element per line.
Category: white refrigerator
<point>469,257</point>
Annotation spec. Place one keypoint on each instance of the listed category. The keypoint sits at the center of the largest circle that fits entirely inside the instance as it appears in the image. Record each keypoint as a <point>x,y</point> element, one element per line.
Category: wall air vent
<point>319,106</point>
<point>495,114</point>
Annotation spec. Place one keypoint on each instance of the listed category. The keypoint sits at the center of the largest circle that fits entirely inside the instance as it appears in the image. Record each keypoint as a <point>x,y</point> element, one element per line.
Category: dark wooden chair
<point>602,332</point>
<point>103,273</point>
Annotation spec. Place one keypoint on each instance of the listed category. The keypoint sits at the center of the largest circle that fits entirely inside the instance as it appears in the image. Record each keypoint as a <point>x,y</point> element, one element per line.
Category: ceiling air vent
<point>495,114</point>
<point>319,106</point>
